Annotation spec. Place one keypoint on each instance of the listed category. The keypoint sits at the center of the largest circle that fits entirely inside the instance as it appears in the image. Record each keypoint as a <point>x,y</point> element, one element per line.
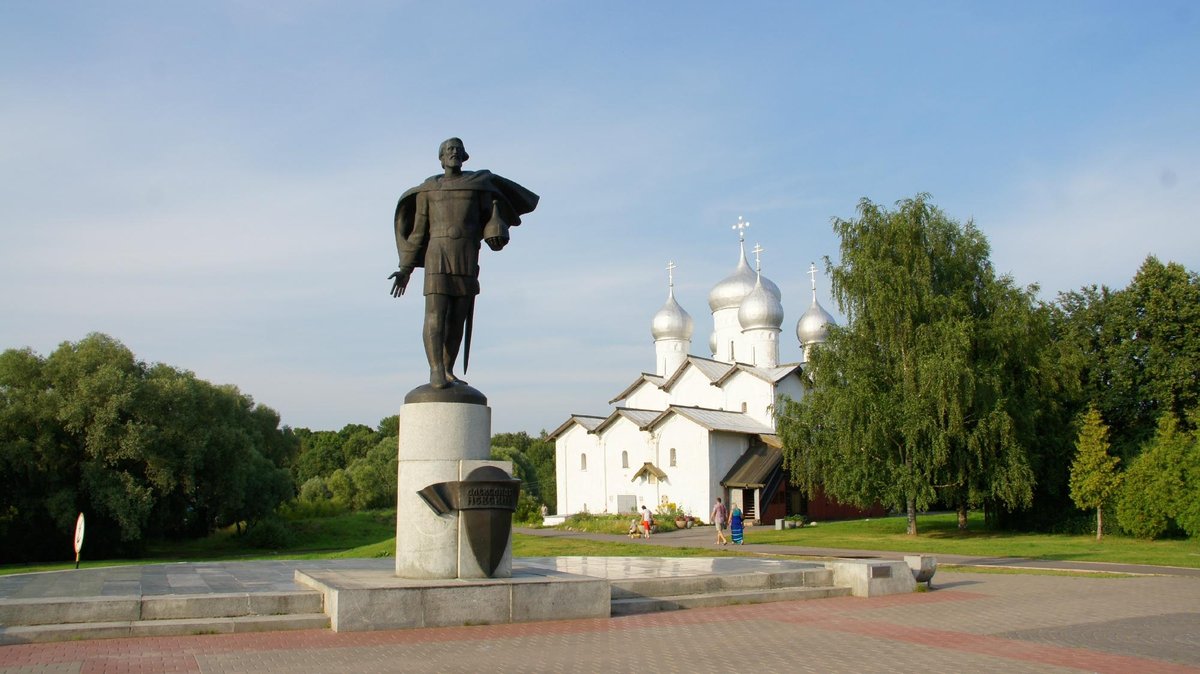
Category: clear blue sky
<point>213,183</point>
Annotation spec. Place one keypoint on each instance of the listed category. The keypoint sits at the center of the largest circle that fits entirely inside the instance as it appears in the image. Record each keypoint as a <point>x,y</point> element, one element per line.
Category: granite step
<point>61,619</point>
<point>711,584</point>
<point>649,604</point>
<point>647,595</point>
<point>43,633</point>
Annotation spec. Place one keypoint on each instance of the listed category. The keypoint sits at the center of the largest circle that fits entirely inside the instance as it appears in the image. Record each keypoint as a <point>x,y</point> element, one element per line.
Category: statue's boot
<point>437,378</point>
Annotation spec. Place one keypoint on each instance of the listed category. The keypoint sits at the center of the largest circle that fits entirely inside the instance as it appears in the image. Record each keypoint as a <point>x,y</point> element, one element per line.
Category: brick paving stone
<point>972,622</point>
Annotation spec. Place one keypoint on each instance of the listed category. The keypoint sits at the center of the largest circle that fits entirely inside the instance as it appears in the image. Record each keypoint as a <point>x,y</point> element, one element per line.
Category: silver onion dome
<point>760,309</point>
<point>733,288</point>
<point>813,326</point>
<point>671,321</point>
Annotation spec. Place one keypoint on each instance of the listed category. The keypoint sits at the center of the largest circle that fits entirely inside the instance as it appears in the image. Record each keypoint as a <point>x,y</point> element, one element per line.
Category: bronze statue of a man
<point>440,225</point>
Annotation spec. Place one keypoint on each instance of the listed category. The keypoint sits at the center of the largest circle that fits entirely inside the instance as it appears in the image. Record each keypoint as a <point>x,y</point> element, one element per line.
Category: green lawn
<point>372,534</point>
<point>938,533</point>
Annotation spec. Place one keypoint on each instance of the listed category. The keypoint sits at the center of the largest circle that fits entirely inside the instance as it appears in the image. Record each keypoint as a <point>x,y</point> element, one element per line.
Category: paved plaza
<point>969,622</point>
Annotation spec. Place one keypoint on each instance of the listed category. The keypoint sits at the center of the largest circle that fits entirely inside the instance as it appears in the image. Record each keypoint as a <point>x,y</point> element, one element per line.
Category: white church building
<point>697,427</point>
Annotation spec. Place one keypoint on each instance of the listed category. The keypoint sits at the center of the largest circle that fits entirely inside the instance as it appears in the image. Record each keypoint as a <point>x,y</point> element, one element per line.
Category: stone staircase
<point>648,595</point>
<point>104,617</point>
<point>45,620</point>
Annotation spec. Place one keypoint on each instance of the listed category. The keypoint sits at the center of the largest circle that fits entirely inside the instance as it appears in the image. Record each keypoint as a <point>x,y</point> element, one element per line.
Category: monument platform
<point>376,599</point>
<point>365,594</point>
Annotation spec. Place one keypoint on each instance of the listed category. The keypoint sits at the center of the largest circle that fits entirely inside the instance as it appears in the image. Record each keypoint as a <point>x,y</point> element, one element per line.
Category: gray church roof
<point>713,420</point>
<point>643,377</point>
<point>589,424</point>
<point>639,418</point>
<point>771,375</point>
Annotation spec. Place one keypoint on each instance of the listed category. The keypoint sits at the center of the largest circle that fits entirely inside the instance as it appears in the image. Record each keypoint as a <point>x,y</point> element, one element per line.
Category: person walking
<point>647,521</point>
<point>719,516</point>
<point>735,524</point>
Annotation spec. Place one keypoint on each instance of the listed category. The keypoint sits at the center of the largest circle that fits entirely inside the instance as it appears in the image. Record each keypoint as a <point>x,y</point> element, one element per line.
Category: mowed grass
<point>372,534</point>
<point>938,533</point>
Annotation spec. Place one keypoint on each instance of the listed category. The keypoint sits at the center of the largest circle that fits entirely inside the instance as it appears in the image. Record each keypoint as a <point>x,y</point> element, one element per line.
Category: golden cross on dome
<point>741,226</point>
<point>757,250</point>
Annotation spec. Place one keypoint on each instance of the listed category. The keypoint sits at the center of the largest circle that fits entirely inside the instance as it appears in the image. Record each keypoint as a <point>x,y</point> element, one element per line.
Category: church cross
<point>671,274</point>
<point>758,250</point>
<point>741,226</point>
<point>812,272</point>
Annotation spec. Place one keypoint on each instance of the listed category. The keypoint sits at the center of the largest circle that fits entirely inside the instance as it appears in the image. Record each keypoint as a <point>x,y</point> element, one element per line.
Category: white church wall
<point>763,347</point>
<point>731,344</point>
<point>669,354</point>
<point>647,396</point>
<point>693,389</point>
<point>579,486</point>
<point>626,448</point>
<point>724,451</point>
<point>792,387</point>
<point>757,394</point>
<point>687,481</point>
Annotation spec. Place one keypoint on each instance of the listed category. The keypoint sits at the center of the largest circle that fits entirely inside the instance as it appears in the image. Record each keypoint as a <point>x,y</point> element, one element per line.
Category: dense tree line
<point>150,451</point>
<point>356,467</point>
<point>145,450</point>
<point>951,386</point>
<point>533,463</point>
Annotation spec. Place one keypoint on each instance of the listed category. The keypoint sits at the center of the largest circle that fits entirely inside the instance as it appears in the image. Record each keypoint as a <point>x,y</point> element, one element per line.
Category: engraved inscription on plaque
<point>486,501</point>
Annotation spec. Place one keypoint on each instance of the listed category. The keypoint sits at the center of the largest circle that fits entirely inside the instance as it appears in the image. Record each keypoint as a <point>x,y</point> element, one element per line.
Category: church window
<point>743,408</point>
<point>583,462</point>
<point>624,459</point>
<point>672,456</point>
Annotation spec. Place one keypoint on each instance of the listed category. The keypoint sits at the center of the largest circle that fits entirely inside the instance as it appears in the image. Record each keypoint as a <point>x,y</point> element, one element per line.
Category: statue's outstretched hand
<point>400,280</point>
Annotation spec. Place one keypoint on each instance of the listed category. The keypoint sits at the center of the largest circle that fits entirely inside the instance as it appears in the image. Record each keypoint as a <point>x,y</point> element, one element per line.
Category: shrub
<point>303,510</point>
<point>599,524</point>
<point>528,510</point>
<point>271,533</point>
<point>668,511</point>
<point>314,490</point>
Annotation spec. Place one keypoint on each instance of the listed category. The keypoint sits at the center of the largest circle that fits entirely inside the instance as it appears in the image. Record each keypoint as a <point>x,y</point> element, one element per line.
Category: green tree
<point>916,394</point>
<point>1094,474</point>
<point>341,488</point>
<point>388,426</point>
<point>374,476</point>
<point>1158,491</point>
<point>143,450</point>
<point>39,478</point>
<point>533,463</point>
<point>1138,350</point>
<point>320,455</point>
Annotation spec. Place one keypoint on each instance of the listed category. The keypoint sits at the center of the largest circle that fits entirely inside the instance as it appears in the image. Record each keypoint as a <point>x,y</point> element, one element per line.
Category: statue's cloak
<point>511,199</point>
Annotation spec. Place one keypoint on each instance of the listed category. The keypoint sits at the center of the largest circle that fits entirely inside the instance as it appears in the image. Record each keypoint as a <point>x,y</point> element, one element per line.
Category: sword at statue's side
<point>467,333</point>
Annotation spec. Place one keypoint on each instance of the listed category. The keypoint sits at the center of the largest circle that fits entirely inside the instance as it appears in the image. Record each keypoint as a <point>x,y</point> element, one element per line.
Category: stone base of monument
<point>445,443</point>
<point>872,578</point>
<point>377,600</point>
